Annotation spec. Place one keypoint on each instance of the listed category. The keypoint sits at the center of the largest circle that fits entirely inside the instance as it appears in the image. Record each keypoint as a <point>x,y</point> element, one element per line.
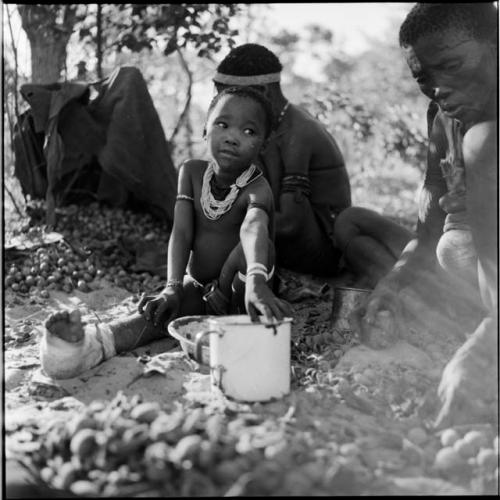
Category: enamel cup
<point>249,362</point>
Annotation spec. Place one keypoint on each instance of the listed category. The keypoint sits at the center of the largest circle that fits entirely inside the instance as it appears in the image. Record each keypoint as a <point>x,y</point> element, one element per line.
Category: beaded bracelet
<point>257,268</point>
<point>255,272</point>
<point>256,265</point>
<point>174,283</point>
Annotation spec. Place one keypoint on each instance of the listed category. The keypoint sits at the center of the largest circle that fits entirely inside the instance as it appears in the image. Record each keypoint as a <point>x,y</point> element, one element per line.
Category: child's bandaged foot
<point>69,347</point>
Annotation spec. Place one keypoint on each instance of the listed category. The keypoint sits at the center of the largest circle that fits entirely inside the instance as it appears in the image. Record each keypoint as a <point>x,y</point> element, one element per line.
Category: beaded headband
<point>246,80</point>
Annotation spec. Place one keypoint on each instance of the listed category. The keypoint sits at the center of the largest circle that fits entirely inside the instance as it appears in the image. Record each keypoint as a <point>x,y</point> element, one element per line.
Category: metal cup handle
<point>198,357</point>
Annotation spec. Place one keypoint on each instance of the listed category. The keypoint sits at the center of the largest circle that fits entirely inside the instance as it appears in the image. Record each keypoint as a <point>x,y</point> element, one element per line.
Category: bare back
<point>302,145</point>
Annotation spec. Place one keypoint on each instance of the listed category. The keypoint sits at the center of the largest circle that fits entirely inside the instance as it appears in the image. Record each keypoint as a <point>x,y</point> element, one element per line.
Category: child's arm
<point>181,238</point>
<point>254,237</point>
<point>166,304</point>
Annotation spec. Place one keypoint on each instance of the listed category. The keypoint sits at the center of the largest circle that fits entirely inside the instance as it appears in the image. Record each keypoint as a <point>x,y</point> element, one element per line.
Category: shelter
<point>70,148</point>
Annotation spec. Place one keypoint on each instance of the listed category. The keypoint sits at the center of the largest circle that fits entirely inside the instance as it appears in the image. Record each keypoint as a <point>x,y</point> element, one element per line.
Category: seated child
<point>224,216</point>
<point>222,236</point>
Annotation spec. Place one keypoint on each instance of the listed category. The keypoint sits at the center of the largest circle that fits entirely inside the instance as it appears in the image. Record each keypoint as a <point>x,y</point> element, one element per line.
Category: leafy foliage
<point>170,26</point>
<point>368,102</point>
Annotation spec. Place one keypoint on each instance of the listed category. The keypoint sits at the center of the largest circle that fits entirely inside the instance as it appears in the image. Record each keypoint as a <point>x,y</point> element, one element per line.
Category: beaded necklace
<point>214,209</point>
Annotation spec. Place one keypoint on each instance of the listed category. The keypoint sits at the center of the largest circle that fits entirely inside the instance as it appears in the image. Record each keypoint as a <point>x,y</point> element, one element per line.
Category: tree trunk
<point>99,41</point>
<point>48,28</point>
<point>47,59</point>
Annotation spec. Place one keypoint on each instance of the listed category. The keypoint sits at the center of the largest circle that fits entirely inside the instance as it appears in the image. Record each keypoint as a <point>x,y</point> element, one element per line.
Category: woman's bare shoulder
<point>480,141</point>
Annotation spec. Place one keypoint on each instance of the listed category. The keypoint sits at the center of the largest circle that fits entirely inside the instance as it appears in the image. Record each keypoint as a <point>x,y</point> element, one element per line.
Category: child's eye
<point>221,124</point>
<point>249,131</point>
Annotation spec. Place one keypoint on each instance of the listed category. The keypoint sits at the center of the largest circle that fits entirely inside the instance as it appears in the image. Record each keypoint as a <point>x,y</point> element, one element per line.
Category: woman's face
<point>458,72</point>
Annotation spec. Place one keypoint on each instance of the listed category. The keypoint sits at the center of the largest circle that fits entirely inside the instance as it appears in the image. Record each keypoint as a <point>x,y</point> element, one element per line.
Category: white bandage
<point>61,359</point>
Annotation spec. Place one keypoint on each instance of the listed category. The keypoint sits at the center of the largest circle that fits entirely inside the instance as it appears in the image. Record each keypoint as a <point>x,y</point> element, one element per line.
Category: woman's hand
<point>259,299</point>
<point>382,310</point>
<point>161,308</point>
<point>468,389</point>
<point>452,203</point>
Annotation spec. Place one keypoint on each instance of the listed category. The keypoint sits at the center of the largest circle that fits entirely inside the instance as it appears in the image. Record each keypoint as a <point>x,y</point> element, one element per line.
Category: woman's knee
<point>347,225</point>
<point>456,254</point>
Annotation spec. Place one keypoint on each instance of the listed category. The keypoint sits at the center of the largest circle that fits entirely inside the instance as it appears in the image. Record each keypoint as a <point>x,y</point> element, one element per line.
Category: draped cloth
<point>113,146</point>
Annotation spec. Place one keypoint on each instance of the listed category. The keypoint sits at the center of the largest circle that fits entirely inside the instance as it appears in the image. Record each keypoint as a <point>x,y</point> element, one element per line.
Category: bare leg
<point>134,331</point>
<point>70,347</point>
<point>369,259</point>
<point>371,243</point>
<point>229,296</point>
<point>229,282</point>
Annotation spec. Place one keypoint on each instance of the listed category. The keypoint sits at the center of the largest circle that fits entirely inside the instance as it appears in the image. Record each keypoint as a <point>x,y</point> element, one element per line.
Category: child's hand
<point>161,308</point>
<point>260,299</point>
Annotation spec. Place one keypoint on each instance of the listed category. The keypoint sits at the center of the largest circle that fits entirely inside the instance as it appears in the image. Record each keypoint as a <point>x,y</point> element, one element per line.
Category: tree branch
<point>185,111</point>
<point>13,200</point>
<point>16,66</point>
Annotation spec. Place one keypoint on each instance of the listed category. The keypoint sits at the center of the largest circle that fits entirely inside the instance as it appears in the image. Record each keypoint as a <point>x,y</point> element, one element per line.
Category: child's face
<point>236,132</point>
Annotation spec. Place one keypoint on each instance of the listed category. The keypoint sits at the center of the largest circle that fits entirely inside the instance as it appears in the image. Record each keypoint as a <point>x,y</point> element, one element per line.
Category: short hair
<point>477,19</point>
<point>248,60</point>
<point>248,93</point>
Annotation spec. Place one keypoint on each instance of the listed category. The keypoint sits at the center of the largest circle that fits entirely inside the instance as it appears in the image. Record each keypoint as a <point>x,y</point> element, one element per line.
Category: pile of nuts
<point>469,453</point>
<point>95,252</point>
<point>127,446</point>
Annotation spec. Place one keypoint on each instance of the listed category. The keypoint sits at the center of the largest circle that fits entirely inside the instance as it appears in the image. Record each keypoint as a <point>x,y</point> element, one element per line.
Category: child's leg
<point>135,331</point>
<point>70,347</point>
<point>192,300</point>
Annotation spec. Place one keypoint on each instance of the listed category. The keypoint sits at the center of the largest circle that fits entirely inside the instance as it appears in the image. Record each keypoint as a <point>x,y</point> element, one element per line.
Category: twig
<point>24,146</point>
<point>13,201</point>
<point>188,97</point>
<point>99,49</point>
<point>16,66</point>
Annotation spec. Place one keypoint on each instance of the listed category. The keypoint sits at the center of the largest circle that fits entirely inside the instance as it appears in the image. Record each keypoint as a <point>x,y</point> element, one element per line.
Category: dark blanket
<point>113,146</point>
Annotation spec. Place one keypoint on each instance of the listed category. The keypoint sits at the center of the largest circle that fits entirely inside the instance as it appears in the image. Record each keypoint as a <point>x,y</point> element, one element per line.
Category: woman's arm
<point>419,255</point>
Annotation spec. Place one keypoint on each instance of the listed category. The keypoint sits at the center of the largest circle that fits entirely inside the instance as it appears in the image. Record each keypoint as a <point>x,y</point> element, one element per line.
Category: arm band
<point>255,271</point>
<point>255,204</point>
<point>174,283</point>
<point>184,197</point>
<point>294,183</point>
<point>256,266</point>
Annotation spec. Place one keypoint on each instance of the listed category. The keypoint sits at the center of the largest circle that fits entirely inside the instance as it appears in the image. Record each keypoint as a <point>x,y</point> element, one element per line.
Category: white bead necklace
<point>214,209</point>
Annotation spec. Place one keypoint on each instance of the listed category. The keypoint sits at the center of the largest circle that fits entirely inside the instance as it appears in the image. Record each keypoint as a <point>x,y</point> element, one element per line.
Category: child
<point>222,235</point>
<point>223,221</point>
<point>302,163</point>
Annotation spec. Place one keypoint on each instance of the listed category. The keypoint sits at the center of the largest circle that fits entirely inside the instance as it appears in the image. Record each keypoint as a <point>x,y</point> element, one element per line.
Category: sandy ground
<point>348,394</point>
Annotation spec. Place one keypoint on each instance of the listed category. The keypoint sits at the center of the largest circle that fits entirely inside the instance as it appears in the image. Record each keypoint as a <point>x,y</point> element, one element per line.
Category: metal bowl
<point>185,329</point>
